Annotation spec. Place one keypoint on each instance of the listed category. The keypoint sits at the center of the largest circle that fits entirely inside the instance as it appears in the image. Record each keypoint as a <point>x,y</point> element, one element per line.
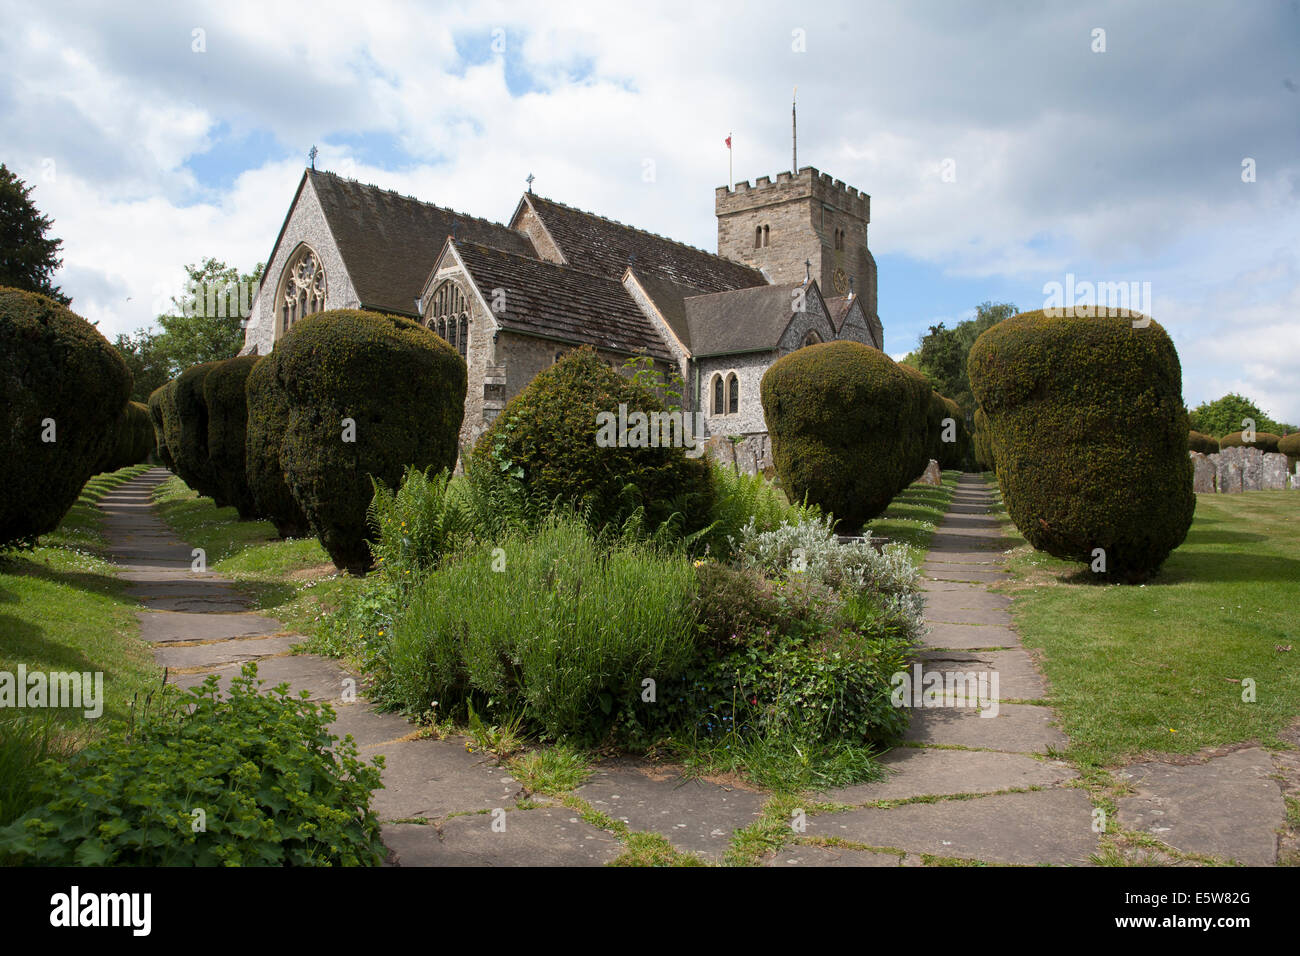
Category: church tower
<point>804,216</point>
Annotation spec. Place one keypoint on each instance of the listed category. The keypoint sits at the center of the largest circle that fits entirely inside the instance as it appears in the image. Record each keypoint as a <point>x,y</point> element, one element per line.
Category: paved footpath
<point>445,806</point>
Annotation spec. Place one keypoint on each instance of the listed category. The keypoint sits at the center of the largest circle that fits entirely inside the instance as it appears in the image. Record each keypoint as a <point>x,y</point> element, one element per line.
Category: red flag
<point>728,142</point>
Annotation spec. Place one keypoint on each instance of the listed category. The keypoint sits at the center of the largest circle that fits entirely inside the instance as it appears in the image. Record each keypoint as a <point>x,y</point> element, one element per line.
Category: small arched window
<point>302,288</point>
<point>449,316</point>
<point>758,236</point>
<point>812,338</point>
<point>718,396</point>
<point>733,394</point>
<point>767,237</point>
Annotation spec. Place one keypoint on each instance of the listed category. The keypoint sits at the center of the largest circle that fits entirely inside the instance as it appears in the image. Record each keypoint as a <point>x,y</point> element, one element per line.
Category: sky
<point>1005,145</point>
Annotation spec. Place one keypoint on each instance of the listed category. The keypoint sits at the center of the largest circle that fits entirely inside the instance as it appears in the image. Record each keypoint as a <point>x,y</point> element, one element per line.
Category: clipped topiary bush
<point>845,420</point>
<point>227,407</point>
<point>1289,445</point>
<point>982,443</point>
<point>160,432</point>
<point>1200,442</point>
<point>185,417</point>
<point>367,395</point>
<point>62,388</point>
<point>949,454</point>
<point>547,445</point>
<point>268,417</point>
<point>1090,436</point>
<point>133,439</point>
<point>1264,441</point>
<point>927,412</point>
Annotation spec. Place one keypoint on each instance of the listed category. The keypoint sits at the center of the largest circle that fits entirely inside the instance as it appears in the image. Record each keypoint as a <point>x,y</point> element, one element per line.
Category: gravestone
<point>1203,472</point>
<point>1252,469</point>
<point>1228,479</point>
<point>931,475</point>
<point>1274,472</point>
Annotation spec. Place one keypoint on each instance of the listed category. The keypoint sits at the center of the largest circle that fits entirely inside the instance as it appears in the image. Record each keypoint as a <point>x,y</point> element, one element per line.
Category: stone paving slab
<point>1017,728</point>
<point>989,557</point>
<point>1227,807</point>
<point>162,626</point>
<point>432,778</point>
<point>1047,826</point>
<point>372,731</point>
<point>960,600</point>
<point>923,772</point>
<point>546,836</point>
<point>962,572</point>
<point>694,815</point>
<point>807,854</point>
<point>223,652</point>
<point>964,636</point>
<point>177,575</point>
<point>320,677</point>
<point>941,611</point>
<point>212,604</point>
<point>197,587</point>
<point>1018,676</point>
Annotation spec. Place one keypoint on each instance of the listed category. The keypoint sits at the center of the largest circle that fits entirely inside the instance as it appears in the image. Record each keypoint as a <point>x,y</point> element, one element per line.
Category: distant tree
<point>942,353</point>
<point>207,322</point>
<point>1223,416</point>
<point>147,359</point>
<point>28,258</point>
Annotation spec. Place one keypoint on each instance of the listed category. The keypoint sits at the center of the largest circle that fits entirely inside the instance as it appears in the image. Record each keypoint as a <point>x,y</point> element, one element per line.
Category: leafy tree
<point>146,357</point>
<point>942,353</point>
<point>1223,416</point>
<point>28,258</point>
<point>207,324</point>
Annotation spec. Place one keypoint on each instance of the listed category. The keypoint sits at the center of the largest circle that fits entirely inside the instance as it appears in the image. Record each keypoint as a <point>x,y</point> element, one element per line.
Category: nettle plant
<point>248,779</point>
<point>669,387</point>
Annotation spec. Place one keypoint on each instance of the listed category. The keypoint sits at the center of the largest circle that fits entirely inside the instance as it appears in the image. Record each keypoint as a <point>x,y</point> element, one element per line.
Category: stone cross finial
<point>529,181</point>
<point>807,271</point>
<point>311,154</point>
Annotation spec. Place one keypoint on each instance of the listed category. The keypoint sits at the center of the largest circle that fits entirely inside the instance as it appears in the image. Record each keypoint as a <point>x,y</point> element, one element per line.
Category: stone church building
<point>792,269</point>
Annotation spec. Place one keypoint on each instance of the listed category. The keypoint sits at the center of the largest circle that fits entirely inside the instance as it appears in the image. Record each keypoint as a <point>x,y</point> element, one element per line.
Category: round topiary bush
<point>160,434</point>
<point>268,418</point>
<point>1090,436</point>
<point>1289,445</point>
<point>844,420</point>
<point>62,388</point>
<point>1200,442</point>
<point>368,394</point>
<point>133,439</point>
<point>1264,441</point>
<point>187,434</point>
<point>982,443</point>
<point>227,406</point>
<point>558,440</point>
<point>949,454</point>
<point>927,414</point>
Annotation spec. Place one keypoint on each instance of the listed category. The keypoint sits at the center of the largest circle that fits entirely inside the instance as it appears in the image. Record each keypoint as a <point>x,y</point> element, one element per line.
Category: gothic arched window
<point>812,338</point>
<point>733,394</point>
<point>302,288</point>
<point>767,236</point>
<point>758,237</point>
<point>718,396</point>
<point>449,316</point>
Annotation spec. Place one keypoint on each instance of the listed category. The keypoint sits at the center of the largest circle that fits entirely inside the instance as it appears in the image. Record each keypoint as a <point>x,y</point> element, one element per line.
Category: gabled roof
<point>839,307</point>
<point>669,300</point>
<point>561,303</point>
<point>608,248</point>
<point>387,240</point>
<point>743,320</point>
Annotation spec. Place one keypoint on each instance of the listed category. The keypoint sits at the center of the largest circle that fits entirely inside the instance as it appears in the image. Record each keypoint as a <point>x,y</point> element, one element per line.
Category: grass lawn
<point>62,608</point>
<point>292,579</point>
<point>1160,668</point>
<point>912,516</point>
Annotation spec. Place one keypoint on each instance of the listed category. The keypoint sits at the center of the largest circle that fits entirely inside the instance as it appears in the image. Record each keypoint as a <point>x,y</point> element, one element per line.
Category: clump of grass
<point>551,770</point>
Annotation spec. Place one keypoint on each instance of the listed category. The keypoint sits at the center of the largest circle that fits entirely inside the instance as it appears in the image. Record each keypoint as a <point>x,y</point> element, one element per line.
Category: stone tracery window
<point>302,290</point>
<point>449,316</point>
<point>719,405</point>
<point>733,394</point>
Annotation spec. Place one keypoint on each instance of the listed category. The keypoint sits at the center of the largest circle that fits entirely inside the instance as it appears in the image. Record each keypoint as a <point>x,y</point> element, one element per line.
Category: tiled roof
<point>607,247</point>
<point>837,307</point>
<point>388,240</point>
<point>744,320</point>
<point>560,302</point>
<point>670,300</point>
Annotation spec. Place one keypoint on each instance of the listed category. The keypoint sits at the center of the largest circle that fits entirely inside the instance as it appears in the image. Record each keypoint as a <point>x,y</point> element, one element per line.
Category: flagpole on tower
<point>794,133</point>
<point>731,173</point>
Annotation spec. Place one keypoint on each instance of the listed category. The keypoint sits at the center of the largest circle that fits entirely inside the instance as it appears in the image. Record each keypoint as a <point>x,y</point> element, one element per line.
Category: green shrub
<point>982,444</point>
<point>227,408</point>
<point>543,448</point>
<point>414,525</point>
<point>740,499</point>
<point>949,454</point>
<point>187,434</point>
<point>1264,441</point>
<point>368,394</point>
<point>268,418</point>
<point>133,439</point>
<point>929,411</point>
<point>1289,445</point>
<point>273,787</point>
<point>846,423</point>
<point>56,372</point>
<point>1205,444</point>
<point>26,740</point>
<point>553,626</point>
<point>160,432</point>
<point>1090,435</point>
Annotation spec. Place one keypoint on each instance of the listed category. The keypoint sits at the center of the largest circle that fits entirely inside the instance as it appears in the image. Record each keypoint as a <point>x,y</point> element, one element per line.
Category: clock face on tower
<point>841,282</point>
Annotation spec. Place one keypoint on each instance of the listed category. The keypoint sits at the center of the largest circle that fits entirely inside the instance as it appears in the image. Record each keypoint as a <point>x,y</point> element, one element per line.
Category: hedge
<point>59,378</point>
<point>547,445</point>
<point>982,443</point>
<point>927,412</point>
<point>268,418</point>
<point>844,421</point>
<point>1264,441</point>
<point>1090,435</point>
<point>368,394</point>
<point>949,454</point>
<point>1200,442</point>
<point>187,433</point>
<point>133,439</point>
<point>227,407</point>
<point>1289,445</point>
<point>160,432</point>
